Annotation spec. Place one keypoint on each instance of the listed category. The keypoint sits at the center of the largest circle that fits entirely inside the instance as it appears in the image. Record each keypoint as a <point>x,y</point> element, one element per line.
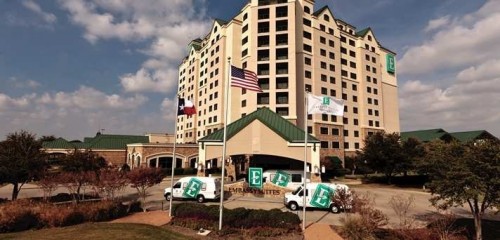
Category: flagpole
<point>305,167</point>
<point>226,99</point>
<point>173,158</point>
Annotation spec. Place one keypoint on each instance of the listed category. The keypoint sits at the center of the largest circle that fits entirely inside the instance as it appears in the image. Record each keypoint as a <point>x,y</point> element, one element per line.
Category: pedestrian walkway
<point>319,231</point>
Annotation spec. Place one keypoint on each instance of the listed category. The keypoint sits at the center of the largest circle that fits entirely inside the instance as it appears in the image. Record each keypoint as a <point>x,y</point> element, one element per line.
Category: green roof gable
<point>427,135</point>
<point>273,121</point>
<point>472,135</point>
<point>59,143</point>
<point>363,32</point>
<point>100,141</point>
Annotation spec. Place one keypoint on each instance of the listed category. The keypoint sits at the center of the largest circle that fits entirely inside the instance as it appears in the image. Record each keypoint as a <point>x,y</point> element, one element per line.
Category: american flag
<point>244,79</point>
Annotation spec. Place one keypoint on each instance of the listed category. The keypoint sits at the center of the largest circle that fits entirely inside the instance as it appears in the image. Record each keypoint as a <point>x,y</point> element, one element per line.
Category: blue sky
<point>71,67</point>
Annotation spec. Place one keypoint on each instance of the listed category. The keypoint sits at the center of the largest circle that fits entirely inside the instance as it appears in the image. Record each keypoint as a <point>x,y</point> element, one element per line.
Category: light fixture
<point>323,169</point>
<point>209,165</point>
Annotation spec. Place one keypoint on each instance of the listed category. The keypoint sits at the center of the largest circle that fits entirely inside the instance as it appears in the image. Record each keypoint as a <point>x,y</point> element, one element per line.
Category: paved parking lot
<point>382,194</point>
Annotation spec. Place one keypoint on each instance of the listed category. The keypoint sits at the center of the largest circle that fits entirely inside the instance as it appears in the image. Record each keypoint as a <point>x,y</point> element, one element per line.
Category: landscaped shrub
<point>14,216</point>
<point>187,214</point>
<point>23,215</point>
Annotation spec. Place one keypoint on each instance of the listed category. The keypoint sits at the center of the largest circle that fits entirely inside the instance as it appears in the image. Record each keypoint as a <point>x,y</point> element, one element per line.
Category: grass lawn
<point>96,231</point>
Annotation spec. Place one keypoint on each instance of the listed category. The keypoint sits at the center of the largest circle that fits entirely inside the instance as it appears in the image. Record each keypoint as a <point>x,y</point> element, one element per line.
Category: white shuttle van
<point>295,178</point>
<point>318,195</point>
<point>199,188</point>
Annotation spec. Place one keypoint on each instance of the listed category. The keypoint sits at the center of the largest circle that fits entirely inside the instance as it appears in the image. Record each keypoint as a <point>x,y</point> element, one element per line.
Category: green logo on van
<point>192,189</point>
<point>255,177</point>
<point>321,197</point>
<point>281,178</point>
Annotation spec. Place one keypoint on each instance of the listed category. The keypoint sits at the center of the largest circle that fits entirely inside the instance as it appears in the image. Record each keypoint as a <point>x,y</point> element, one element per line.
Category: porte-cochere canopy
<point>262,132</point>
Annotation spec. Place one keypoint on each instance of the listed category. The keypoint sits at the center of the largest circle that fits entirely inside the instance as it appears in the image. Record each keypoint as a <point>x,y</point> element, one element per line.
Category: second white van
<point>199,188</point>
<point>293,180</point>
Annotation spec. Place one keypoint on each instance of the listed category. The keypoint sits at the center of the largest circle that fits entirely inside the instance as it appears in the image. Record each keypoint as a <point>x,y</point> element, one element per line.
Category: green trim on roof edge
<point>273,121</point>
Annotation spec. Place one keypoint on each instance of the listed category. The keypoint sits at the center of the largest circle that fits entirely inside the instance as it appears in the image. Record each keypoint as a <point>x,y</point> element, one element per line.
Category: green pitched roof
<point>472,135</point>
<point>426,135</point>
<point>319,11</point>
<point>59,143</point>
<point>220,21</point>
<point>363,32</point>
<point>273,121</point>
<point>100,141</point>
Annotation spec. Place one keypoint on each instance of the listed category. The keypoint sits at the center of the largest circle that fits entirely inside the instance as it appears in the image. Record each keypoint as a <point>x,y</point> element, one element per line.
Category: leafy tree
<point>21,160</point>
<point>82,161</point>
<point>382,153</point>
<point>144,178</point>
<point>412,150</point>
<point>464,174</point>
<point>109,181</point>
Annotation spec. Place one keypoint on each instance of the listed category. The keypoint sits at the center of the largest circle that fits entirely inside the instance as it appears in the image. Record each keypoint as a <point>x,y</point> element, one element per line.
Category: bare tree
<point>144,178</point>
<point>402,207</point>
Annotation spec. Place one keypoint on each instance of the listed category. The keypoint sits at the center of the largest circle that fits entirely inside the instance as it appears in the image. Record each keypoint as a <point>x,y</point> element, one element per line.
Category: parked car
<point>199,188</point>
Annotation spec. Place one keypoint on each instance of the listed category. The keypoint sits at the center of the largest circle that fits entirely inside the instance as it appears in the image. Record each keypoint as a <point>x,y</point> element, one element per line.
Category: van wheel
<point>334,209</point>
<point>293,206</point>
<point>167,196</point>
<point>200,198</point>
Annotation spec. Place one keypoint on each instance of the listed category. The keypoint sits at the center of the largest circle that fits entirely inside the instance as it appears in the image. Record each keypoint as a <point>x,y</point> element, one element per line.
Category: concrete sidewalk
<point>318,231</point>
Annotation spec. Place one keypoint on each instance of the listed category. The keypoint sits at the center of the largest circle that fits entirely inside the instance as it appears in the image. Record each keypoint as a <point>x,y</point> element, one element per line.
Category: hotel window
<point>323,130</point>
<point>367,57</point>
<point>307,22</point>
<point>263,27</point>
<point>322,27</point>
<point>324,144</point>
<point>352,53</point>
<point>369,100</point>
<point>333,93</point>
<point>331,43</point>
<point>244,40</point>
<point>245,16</point>
<point>322,40</point>
<point>335,131</point>
<point>343,50</point>
<point>355,98</point>
<point>323,77</point>
<point>375,101</point>
<point>323,65</point>
<point>307,10</point>
<point>343,61</point>
<point>346,145</point>
<point>263,41</point>
<point>244,103</point>
<point>331,55</point>
<point>355,87</point>
<point>370,123</point>
<point>375,91</point>
<point>244,53</point>
<point>326,18</point>
<point>370,112</point>
<point>307,74</point>
<point>374,80</point>
<point>332,80</point>
<point>324,117</point>
<point>307,48</point>
<point>282,111</point>
<point>309,129</point>
<point>332,68</point>
<point>307,61</point>
<point>309,116</point>
<point>344,96</point>
<point>346,133</point>
<point>343,39</point>
<point>262,98</point>
<point>324,91</point>
<point>356,145</point>
<point>282,83</point>
<point>322,52</point>
<point>282,25</point>
<point>336,145</point>
<point>245,28</point>
<point>264,83</point>
<point>344,84</point>
<point>307,35</point>
<point>282,98</point>
<point>374,60</point>
<point>368,89</point>
<point>346,120</point>
<point>353,75</point>
<point>351,42</point>
<point>333,118</point>
<point>263,13</point>
<point>377,124</point>
<point>281,39</point>
<point>376,113</point>
<point>281,53</point>
<point>356,133</point>
<point>308,88</point>
<point>281,11</point>
<point>355,110</point>
<point>356,122</point>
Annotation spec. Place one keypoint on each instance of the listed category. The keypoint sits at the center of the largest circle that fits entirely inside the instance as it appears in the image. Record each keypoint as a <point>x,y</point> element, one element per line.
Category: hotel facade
<point>294,50</point>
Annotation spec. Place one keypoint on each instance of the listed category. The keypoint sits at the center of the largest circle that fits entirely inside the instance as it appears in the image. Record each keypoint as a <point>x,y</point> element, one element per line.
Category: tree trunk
<point>15,191</point>
<point>477,224</point>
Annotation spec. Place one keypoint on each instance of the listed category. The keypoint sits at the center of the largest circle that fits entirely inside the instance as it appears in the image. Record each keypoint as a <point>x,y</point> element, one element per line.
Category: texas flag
<point>186,107</point>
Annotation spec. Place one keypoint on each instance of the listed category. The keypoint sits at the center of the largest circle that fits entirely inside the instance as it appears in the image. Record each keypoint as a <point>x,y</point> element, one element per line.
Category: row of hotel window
<point>336,145</point>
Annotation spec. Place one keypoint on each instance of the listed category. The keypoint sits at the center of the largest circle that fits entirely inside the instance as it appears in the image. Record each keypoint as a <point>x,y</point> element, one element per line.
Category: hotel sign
<point>255,178</point>
<point>192,189</point>
<point>391,64</point>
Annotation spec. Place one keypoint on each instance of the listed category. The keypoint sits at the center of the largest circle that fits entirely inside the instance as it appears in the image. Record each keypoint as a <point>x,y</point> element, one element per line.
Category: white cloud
<point>466,40</point>
<point>76,114</point>
<point>458,72</point>
<point>168,109</point>
<point>34,7</point>
<point>167,27</point>
<point>437,23</point>
<point>18,83</point>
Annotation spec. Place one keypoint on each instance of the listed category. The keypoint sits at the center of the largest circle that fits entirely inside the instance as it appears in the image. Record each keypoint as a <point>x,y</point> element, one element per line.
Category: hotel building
<point>293,49</point>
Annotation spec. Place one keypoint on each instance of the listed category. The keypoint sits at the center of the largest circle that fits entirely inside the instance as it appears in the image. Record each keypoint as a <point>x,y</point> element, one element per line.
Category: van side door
<point>177,190</point>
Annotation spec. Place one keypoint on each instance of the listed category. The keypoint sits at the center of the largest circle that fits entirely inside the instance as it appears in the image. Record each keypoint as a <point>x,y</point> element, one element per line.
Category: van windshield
<point>297,190</point>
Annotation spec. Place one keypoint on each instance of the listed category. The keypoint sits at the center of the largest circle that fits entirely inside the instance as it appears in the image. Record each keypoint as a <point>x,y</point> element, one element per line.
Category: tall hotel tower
<point>293,49</point>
